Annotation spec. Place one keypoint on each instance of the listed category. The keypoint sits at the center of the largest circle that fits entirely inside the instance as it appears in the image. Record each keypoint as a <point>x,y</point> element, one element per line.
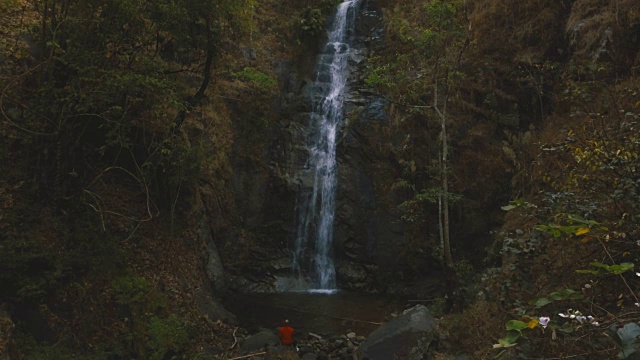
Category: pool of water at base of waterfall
<point>325,314</point>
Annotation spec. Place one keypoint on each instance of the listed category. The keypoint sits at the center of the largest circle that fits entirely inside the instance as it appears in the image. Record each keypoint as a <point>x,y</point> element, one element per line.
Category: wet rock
<point>353,276</point>
<point>375,110</point>
<point>355,57</point>
<point>407,336</point>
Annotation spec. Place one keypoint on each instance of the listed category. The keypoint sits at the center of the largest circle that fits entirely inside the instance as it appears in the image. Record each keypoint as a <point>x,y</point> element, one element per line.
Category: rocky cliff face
<point>366,233</point>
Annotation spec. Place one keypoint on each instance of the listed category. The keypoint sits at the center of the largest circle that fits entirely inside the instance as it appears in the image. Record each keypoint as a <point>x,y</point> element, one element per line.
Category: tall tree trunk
<point>208,66</point>
<point>450,275</point>
<point>444,197</point>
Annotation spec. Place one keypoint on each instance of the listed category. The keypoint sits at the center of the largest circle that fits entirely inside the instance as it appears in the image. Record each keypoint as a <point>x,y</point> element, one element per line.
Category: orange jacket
<point>285,334</point>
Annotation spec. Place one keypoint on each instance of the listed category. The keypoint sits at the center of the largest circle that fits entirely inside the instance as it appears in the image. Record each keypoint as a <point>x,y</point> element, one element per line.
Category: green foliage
<point>413,209</point>
<point>166,336</point>
<point>516,325</point>
<point>131,289</point>
<point>604,269</point>
<point>513,204</point>
<point>29,271</point>
<point>441,14</point>
<point>154,333</point>
<point>380,78</point>
<point>312,23</point>
<point>579,226</point>
<point>508,341</point>
<point>257,78</point>
<point>329,5</point>
<point>6,5</point>
<point>566,294</point>
<point>42,351</point>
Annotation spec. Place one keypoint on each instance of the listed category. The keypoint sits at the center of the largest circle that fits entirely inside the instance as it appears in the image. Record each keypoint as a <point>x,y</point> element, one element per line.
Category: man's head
<point>286,322</point>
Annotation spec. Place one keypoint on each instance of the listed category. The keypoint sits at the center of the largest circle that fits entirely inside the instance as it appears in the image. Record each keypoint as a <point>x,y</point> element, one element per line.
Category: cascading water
<point>313,252</point>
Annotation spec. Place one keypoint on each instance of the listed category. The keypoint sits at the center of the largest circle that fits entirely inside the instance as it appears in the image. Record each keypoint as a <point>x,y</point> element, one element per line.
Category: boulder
<point>259,341</point>
<point>309,356</point>
<point>213,267</point>
<point>212,309</point>
<point>407,337</point>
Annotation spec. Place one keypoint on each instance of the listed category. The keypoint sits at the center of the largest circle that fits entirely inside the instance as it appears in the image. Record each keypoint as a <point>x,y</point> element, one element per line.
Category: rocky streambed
<point>407,335</point>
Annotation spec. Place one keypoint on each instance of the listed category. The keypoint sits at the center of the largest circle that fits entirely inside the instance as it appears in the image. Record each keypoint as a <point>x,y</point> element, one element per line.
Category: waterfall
<point>316,208</point>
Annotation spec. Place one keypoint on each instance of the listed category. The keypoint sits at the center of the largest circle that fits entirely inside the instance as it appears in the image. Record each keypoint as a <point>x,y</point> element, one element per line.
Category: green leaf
<point>599,265</point>
<point>555,296</point>
<point>542,302</point>
<point>621,268</point>
<point>516,325</point>
<point>508,207</point>
<point>508,341</point>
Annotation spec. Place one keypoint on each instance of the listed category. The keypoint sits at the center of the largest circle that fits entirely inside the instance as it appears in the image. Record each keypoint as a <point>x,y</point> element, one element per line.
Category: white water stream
<point>317,208</point>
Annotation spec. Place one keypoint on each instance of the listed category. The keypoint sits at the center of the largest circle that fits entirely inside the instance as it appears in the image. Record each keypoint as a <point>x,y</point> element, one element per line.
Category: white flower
<point>563,315</point>
<point>581,318</point>
<point>544,321</point>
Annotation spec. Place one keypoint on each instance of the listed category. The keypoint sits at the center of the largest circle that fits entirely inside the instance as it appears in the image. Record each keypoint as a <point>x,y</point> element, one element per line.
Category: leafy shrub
<point>261,80</point>
<point>165,336</point>
<point>311,23</point>
<point>131,289</point>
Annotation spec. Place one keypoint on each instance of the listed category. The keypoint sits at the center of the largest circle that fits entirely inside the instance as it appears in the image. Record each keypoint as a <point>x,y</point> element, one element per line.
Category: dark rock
<point>353,276</point>
<point>375,110</point>
<point>212,309</point>
<point>214,269</point>
<point>407,336</point>
<point>249,53</point>
<point>309,356</point>
<point>259,341</point>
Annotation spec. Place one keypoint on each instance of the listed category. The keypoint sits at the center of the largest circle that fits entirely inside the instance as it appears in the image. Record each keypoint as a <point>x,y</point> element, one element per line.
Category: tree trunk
<point>450,275</point>
<point>444,197</point>
<point>208,66</point>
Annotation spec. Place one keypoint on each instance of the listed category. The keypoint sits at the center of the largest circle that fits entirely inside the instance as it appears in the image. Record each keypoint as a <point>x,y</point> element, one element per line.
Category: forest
<point>483,160</point>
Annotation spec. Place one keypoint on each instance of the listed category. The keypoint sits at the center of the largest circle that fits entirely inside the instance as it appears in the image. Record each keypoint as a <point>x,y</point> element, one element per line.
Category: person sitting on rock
<point>285,333</point>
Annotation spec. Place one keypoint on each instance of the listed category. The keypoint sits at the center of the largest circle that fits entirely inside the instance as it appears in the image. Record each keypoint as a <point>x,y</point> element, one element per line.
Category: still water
<point>320,313</point>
